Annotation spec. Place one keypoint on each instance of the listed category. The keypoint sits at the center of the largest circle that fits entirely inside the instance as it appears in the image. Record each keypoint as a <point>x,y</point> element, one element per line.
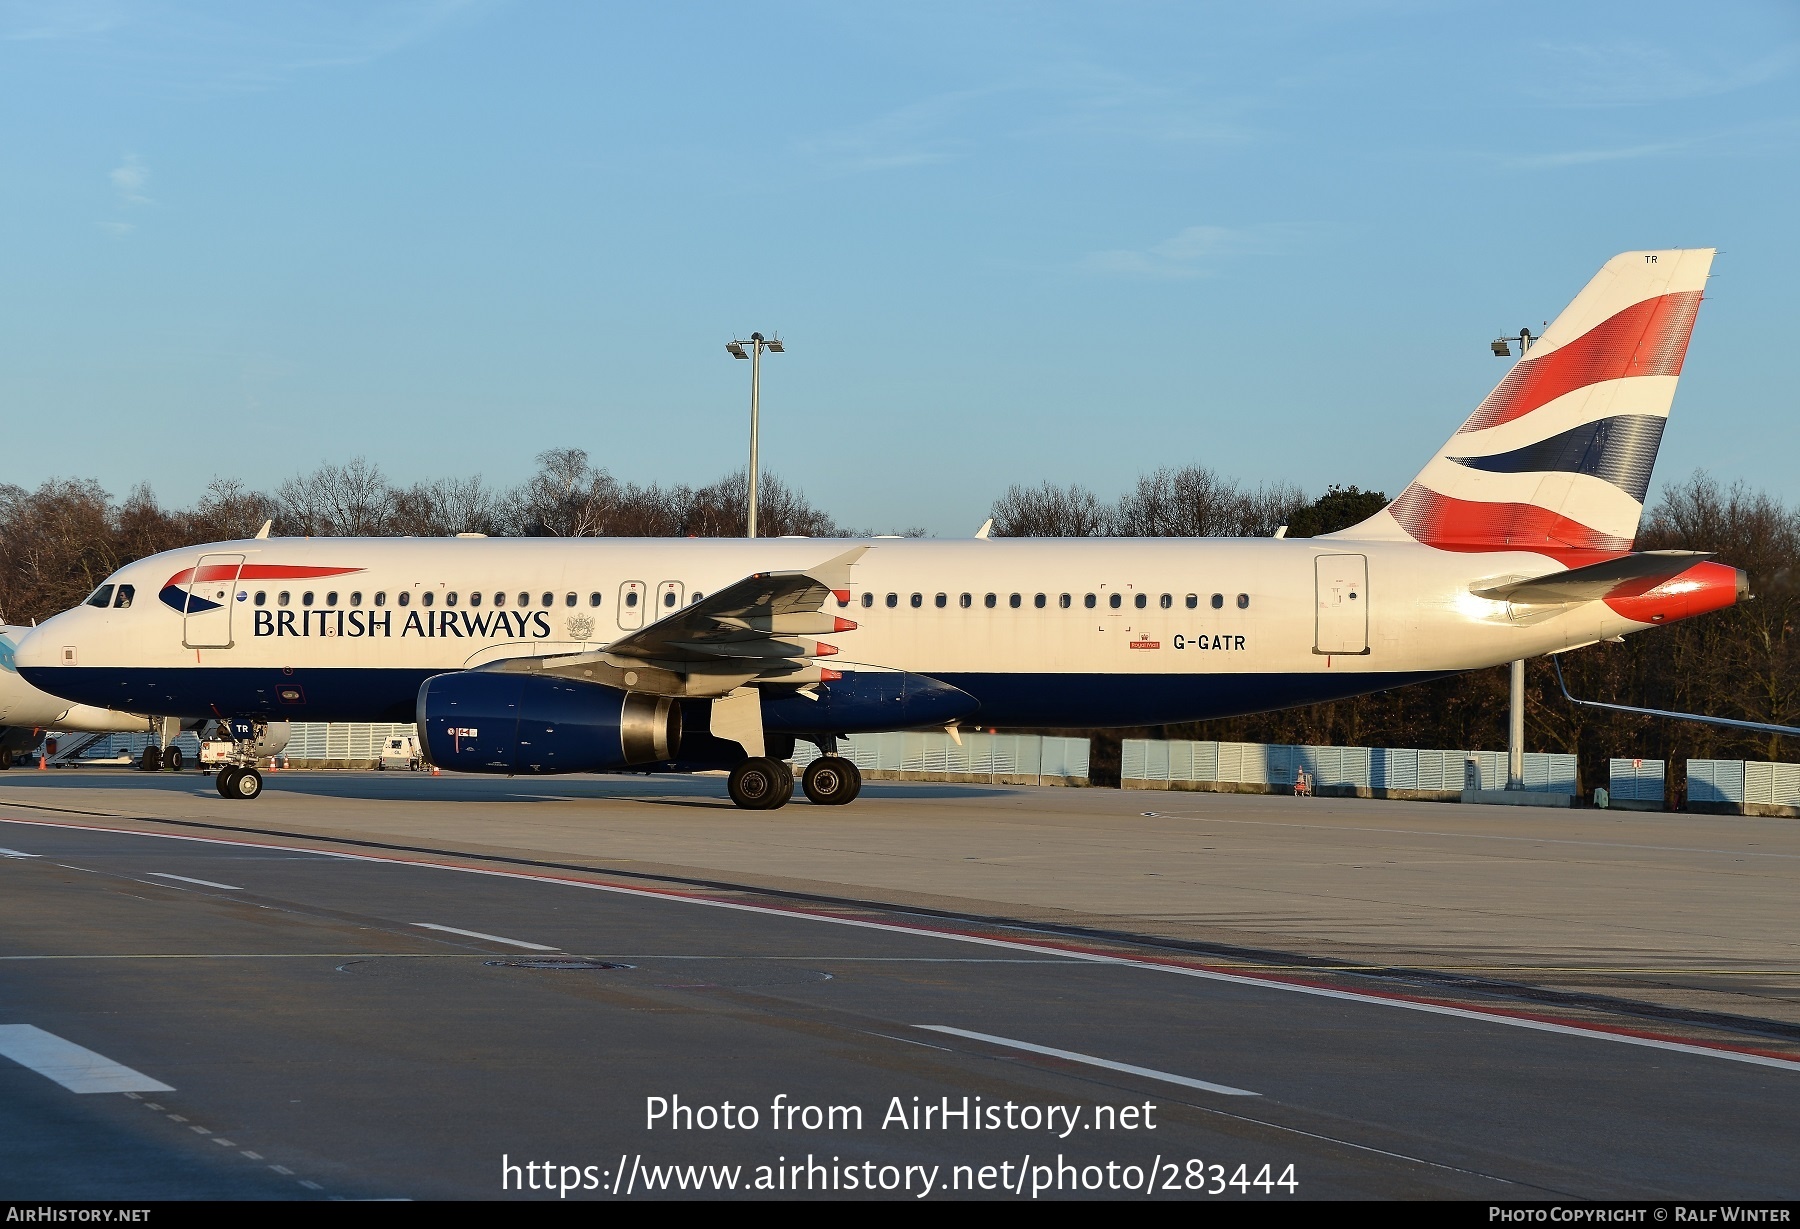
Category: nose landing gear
<point>238,777</point>
<point>235,782</point>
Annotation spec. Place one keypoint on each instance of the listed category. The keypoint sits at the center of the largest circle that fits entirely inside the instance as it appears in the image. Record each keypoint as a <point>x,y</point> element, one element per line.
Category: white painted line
<point>1149,1073</point>
<point>1043,949</point>
<point>76,1068</point>
<point>476,934</point>
<point>205,883</point>
<point>16,853</point>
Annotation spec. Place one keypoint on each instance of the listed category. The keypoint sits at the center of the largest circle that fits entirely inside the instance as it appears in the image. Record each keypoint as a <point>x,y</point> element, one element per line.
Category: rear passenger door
<point>1341,588</point>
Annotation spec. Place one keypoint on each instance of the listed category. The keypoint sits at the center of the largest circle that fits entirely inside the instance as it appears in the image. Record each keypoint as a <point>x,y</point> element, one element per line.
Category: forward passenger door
<point>206,608</point>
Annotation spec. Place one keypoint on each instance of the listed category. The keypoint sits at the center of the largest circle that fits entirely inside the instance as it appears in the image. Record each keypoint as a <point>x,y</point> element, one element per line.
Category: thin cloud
<point>55,20</point>
<point>913,135</point>
<point>1191,252</point>
<point>1057,103</point>
<point>1584,157</point>
<point>118,230</point>
<point>129,179</point>
<point>1633,74</point>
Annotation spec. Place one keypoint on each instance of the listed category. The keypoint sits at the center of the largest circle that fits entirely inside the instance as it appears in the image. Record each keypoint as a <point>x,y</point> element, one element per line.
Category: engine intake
<point>536,724</point>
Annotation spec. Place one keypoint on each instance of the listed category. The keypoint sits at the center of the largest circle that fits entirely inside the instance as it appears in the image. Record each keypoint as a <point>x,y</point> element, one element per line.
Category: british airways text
<point>463,624</point>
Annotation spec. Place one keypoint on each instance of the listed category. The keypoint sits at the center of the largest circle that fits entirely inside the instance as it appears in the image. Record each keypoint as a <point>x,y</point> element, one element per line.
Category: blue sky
<point>1006,242</point>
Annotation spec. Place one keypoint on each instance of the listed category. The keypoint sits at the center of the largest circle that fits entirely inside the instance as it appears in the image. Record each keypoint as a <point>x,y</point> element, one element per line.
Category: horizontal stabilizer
<point>1597,580</point>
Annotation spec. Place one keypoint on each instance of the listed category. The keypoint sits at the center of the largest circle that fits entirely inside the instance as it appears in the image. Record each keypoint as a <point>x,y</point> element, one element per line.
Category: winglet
<point>986,527</point>
<point>264,531</point>
<point>834,573</point>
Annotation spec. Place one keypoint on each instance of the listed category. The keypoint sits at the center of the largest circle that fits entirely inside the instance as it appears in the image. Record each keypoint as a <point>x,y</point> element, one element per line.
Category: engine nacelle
<point>503,722</point>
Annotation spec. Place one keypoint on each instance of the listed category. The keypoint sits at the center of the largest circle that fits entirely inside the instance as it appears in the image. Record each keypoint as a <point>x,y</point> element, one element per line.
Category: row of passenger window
<point>105,596</point>
<point>1089,601</point>
<point>429,597</point>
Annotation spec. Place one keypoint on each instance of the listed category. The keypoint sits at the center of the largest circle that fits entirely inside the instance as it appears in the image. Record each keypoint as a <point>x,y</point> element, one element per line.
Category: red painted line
<point>1044,946</point>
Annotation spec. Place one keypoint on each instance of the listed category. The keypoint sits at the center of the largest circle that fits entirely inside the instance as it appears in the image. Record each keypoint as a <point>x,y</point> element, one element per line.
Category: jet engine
<point>503,722</point>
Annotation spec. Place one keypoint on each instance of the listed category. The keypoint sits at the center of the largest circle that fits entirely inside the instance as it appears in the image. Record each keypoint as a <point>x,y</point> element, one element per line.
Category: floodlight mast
<point>1515,716</point>
<point>757,344</point>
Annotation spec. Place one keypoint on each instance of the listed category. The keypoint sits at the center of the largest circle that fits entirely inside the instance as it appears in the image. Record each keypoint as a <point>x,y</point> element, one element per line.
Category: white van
<point>400,751</point>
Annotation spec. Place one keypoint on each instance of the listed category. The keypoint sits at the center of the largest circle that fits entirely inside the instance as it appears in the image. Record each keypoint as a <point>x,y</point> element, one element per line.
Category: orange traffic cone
<point>42,763</point>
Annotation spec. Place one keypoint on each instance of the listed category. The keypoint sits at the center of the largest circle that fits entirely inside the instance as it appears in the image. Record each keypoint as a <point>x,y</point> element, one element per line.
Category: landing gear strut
<point>238,777</point>
<point>832,781</point>
<point>761,784</point>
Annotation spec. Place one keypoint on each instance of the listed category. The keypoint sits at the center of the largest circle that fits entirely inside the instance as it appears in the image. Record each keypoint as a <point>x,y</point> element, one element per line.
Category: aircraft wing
<point>759,629</point>
<point>768,617</point>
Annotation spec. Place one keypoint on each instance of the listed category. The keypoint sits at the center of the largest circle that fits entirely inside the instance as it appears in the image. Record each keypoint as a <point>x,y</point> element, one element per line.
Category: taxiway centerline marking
<point>476,934</point>
<point>18,853</point>
<point>1252,981</point>
<point>1069,1055</point>
<point>205,883</point>
<point>76,1068</point>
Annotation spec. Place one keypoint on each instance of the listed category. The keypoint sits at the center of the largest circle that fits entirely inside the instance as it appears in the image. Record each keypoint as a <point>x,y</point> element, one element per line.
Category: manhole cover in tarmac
<point>571,963</point>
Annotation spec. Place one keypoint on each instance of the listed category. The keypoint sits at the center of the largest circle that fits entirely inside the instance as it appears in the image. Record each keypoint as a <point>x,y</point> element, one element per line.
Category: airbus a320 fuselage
<point>560,655</point>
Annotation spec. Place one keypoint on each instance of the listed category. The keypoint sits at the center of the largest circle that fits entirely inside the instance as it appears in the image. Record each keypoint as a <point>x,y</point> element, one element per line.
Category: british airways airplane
<point>590,655</point>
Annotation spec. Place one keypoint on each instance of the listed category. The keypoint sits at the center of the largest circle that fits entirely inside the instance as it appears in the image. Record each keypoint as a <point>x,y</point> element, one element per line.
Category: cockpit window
<point>122,600</point>
<point>102,597</point>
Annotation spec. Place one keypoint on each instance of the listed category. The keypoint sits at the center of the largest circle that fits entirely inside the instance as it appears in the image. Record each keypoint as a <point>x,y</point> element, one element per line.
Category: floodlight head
<point>774,347</point>
<point>736,349</point>
<point>1499,344</point>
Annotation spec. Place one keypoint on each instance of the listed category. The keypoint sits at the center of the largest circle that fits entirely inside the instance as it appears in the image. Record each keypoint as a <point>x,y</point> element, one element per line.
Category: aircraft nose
<point>1743,586</point>
<point>38,648</point>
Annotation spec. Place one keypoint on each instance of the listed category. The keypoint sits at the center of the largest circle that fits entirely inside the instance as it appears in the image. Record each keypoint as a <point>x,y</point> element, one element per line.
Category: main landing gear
<point>763,784</point>
<point>831,781</point>
<point>155,759</point>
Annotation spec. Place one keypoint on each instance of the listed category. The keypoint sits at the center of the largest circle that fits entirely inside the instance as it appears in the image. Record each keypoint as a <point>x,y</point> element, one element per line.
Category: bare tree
<point>230,510</point>
<point>722,509</point>
<point>448,506</point>
<point>351,500</point>
<point>1195,502</point>
<point>566,498</point>
<point>1050,511</point>
<point>56,544</point>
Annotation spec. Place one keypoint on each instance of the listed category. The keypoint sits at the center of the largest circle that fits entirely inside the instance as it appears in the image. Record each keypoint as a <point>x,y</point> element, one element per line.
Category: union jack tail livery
<point>1556,459</point>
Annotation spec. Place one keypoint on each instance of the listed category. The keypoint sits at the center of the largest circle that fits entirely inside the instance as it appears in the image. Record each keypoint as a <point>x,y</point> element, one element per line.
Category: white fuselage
<point>1028,626</point>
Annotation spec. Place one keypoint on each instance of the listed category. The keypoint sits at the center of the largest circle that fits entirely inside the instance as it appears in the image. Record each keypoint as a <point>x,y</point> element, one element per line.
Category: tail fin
<point>1557,459</point>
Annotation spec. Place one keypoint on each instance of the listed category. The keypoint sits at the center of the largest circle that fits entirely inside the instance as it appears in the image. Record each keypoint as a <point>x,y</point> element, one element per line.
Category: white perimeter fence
<point>1000,759</point>
<point>1380,772</point>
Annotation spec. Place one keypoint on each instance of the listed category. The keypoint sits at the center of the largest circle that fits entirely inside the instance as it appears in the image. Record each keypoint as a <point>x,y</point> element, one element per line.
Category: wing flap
<point>743,633</point>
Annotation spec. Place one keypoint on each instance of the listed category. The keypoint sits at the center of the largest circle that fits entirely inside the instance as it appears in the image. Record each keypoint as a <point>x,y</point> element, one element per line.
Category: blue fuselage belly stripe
<point>1032,700</point>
